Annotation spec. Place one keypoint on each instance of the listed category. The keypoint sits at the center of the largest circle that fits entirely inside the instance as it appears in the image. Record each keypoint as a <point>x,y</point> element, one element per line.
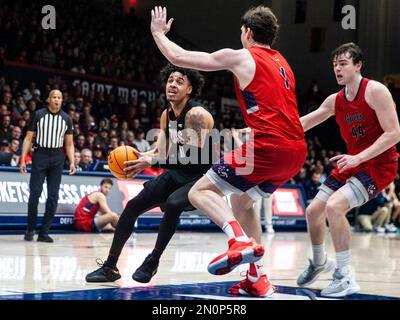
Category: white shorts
<point>227,189</point>
<point>353,190</point>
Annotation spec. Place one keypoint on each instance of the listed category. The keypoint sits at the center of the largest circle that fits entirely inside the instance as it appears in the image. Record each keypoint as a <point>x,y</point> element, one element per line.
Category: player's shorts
<point>258,167</point>
<point>85,224</point>
<point>366,181</point>
<point>172,183</point>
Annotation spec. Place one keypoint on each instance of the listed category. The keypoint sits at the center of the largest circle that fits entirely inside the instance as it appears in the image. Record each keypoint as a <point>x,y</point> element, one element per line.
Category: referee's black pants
<point>47,164</point>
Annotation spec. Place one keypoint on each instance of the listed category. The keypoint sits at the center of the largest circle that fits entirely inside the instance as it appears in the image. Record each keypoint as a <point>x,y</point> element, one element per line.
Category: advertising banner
<point>287,203</point>
<point>42,76</point>
<point>14,195</point>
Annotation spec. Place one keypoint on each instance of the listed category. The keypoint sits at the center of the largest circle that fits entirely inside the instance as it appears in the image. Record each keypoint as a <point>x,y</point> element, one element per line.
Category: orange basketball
<point>116,159</point>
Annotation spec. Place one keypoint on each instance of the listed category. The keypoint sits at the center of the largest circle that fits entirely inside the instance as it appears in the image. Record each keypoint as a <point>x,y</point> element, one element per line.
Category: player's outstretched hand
<point>159,21</point>
<point>346,162</point>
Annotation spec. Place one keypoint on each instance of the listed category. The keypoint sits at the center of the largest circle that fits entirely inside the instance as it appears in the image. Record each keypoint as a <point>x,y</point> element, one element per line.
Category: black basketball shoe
<point>29,235</point>
<point>147,270</point>
<point>44,237</point>
<point>104,274</point>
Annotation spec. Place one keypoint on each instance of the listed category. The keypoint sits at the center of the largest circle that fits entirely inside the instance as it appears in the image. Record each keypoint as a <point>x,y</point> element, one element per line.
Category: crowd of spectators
<point>107,42</point>
<point>91,37</point>
<point>100,125</point>
<point>379,214</point>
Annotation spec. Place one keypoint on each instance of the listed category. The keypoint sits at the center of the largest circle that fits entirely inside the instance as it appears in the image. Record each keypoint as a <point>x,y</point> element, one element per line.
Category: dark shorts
<point>172,181</point>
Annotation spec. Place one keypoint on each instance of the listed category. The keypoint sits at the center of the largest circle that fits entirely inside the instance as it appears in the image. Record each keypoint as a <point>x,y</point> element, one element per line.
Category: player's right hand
<point>22,167</point>
<point>159,21</point>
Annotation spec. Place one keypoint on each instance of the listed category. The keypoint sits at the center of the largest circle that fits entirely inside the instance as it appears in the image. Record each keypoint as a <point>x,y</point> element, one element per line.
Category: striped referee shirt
<point>50,128</point>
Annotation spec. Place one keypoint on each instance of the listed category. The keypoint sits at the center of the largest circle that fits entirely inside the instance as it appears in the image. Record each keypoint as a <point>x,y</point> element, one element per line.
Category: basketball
<point>116,160</point>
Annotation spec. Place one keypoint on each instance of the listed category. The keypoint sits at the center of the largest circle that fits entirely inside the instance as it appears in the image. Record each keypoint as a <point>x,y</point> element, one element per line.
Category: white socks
<point>256,270</point>
<point>319,254</point>
<point>233,230</point>
<point>320,257</point>
<point>343,260</point>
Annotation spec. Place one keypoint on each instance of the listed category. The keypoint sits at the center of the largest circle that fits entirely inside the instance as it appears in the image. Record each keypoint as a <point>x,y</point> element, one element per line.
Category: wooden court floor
<point>34,270</point>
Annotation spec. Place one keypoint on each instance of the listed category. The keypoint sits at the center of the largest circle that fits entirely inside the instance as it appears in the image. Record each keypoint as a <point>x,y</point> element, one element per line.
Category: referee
<point>51,127</point>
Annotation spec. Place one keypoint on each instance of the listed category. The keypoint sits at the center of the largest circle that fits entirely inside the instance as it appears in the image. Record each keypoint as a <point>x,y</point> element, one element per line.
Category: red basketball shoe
<point>261,288</point>
<point>238,253</point>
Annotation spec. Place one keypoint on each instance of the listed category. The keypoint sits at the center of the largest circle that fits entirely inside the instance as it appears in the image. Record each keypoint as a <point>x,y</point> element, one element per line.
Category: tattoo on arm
<point>196,121</point>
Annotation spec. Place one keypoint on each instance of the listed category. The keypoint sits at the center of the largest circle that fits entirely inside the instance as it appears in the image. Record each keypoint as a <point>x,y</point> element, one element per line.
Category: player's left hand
<point>72,169</point>
<point>346,162</point>
<point>134,167</point>
<point>159,21</point>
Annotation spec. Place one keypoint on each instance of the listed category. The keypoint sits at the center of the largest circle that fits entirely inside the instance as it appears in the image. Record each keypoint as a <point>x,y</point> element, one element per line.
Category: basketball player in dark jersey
<point>366,115</point>
<point>169,190</point>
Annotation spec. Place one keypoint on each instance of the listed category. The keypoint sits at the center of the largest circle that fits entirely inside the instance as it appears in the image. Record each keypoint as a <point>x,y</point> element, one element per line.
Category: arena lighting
<point>128,5</point>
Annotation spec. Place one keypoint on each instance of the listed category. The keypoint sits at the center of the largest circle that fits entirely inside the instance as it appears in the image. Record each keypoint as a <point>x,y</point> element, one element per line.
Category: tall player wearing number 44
<point>366,115</point>
<point>276,150</point>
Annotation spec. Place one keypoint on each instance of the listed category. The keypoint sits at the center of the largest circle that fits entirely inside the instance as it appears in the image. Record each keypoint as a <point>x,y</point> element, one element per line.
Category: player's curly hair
<point>195,78</point>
